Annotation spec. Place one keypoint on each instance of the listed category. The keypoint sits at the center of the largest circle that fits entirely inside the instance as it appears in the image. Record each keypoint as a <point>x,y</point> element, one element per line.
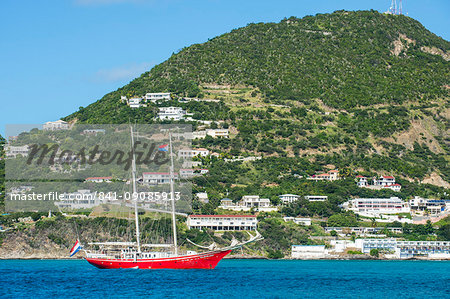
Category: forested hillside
<point>358,90</point>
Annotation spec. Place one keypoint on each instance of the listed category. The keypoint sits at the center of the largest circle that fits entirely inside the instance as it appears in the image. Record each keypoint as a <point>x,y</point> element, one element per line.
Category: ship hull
<point>207,260</point>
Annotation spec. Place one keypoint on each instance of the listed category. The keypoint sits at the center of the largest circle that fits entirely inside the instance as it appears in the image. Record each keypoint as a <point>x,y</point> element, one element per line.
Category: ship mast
<point>133,173</point>
<point>172,194</point>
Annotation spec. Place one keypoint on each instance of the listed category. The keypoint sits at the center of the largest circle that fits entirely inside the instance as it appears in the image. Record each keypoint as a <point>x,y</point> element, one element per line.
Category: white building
<point>171,113</point>
<point>386,245</point>
<point>308,251</point>
<point>432,206</point>
<point>103,179</point>
<point>55,125</point>
<point>376,206</point>
<point>288,198</point>
<point>393,187</point>
<point>384,181</point>
<point>316,197</point>
<point>199,134</point>
<point>13,151</point>
<point>156,96</point>
<point>190,153</point>
<point>247,203</point>
<point>156,178</point>
<point>202,197</point>
<point>331,175</point>
<point>82,199</point>
<point>428,249</point>
<point>135,102</point>
<point>300,221</point>
<point>362,230</point>
<point>222,222</point>
<point>362,181</point>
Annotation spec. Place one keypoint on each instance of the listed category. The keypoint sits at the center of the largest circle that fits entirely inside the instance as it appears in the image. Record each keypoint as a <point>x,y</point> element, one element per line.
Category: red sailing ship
<point>129,255</point>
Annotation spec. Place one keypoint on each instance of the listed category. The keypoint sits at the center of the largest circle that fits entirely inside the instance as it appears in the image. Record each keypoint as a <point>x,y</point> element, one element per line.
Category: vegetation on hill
<point>352,89</point>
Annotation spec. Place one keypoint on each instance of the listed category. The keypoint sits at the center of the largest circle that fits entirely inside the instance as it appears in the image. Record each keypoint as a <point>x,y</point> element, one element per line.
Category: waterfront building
<point>427,249</point>
<point>386,245</point>
<point>222,222</point>
<point>308,251</point>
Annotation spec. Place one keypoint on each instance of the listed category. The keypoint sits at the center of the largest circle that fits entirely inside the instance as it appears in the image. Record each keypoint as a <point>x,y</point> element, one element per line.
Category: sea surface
<point>231,279</point>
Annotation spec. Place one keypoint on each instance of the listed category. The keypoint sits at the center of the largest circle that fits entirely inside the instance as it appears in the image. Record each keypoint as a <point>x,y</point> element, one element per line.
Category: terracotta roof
<point>360,176</point>
<point>387,177</point>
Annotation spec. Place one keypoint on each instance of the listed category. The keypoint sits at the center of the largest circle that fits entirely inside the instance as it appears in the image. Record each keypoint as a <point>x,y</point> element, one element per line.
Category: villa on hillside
<point>14,151</point>
<point>171,113</point>
<point>55,125</point>
<point>156,96</point>
<point>288,198</point>
<point>157,178</point>
<point>375,206</point>
<point>190,153</point>
<point>214,133</point>
<point>331,175</point>
<point>316,197</point>
<point>247,203</point>
<point>383,182</point>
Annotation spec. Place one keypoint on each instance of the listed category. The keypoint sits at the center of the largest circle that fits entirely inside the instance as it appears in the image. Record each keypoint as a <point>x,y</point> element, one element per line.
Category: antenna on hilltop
<point>396,8</point>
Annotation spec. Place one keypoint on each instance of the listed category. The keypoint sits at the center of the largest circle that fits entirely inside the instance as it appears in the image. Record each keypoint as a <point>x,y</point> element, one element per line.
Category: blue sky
<point>58,55</point>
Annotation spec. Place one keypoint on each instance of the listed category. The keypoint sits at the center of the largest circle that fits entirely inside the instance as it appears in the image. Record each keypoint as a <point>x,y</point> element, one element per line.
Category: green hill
<point>363,90</point>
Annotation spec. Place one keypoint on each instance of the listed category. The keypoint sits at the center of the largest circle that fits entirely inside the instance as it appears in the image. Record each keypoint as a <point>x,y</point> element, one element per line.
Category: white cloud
<point>122,73</point>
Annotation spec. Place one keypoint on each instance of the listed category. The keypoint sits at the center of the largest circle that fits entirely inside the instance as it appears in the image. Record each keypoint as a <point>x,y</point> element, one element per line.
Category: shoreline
<point>252,258</point>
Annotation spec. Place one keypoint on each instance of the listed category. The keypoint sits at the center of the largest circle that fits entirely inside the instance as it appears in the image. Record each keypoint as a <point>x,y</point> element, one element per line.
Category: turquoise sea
<point>231,279</point>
